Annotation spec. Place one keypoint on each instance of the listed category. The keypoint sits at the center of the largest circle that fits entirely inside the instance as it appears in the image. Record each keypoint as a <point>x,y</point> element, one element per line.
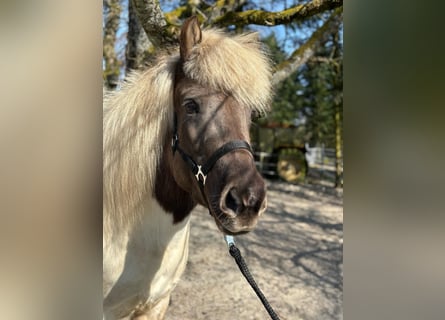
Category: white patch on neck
<point>143,264</point>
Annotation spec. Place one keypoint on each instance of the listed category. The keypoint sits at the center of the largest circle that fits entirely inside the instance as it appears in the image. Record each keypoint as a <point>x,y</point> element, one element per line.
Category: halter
<point>201,171</point>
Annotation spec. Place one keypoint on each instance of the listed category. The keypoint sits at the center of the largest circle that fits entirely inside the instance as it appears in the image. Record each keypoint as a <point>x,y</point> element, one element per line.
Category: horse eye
<point>191,106</point>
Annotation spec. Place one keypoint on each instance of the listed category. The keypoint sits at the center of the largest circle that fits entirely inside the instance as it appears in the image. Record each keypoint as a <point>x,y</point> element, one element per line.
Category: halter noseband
<point>201,171</point>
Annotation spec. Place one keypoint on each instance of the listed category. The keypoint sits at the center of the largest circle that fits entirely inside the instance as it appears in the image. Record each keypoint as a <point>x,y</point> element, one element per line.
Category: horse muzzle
<point>241,204</point>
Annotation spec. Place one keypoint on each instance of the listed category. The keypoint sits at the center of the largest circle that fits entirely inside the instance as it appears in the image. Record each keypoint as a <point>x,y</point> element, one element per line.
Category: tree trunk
<point>338,147</point>
<point>137,44</point>
<point>112,63</point>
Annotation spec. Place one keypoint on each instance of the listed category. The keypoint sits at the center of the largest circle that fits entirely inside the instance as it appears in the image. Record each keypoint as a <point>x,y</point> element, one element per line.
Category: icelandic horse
<point>190,108</point>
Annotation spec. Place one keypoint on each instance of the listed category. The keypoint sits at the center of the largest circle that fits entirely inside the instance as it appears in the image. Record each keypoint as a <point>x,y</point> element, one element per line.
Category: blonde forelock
<point>237,65</point>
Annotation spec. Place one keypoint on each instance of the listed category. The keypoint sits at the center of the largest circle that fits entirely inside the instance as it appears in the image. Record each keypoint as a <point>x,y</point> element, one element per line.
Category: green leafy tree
<point>312,97</point>
<point>285,105</point>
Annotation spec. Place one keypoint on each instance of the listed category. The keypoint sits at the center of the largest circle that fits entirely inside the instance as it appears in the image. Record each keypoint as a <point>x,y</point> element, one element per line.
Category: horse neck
<point>136,119</point>
<point>172,198</point>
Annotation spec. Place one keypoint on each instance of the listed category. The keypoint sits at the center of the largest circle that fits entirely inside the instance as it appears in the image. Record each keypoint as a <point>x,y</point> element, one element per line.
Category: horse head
<point>211,117</point>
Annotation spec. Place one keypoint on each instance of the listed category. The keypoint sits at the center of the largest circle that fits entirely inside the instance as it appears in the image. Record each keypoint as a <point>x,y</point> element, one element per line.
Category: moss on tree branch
<point>306,51</point>
<point>154,23</point>
<point>267,18</point>
<point>173,17</point>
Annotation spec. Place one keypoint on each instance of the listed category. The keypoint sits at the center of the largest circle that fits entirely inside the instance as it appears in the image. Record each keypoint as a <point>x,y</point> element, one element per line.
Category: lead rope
<point>242,265</point>
<point>236,254</point>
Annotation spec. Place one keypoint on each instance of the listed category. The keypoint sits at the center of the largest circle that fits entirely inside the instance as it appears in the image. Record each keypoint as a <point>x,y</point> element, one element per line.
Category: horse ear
<point>189,37</point>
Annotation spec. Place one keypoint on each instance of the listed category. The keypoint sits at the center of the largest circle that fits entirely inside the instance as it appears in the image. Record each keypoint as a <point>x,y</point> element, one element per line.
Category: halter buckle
<point>200,175</point>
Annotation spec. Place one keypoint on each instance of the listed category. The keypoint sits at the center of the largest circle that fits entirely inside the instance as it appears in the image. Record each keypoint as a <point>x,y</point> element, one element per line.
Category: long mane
<point>139,115</point>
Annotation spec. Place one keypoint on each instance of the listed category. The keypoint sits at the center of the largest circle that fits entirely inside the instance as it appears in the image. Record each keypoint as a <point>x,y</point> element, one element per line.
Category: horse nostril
<point>232,200</point>
<point>250,201</point>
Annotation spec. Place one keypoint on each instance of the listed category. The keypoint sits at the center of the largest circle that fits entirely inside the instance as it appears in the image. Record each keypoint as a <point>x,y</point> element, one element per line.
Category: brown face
<point>206,120</point>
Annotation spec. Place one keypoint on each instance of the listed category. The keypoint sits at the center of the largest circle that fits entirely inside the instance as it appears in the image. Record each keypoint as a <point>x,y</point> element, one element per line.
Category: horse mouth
<point>229,224</point>
<point>224,230</point>
<point>223,227</point>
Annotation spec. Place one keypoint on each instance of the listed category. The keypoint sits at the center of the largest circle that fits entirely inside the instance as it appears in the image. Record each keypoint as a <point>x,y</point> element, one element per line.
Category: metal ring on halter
<point>201,174</point>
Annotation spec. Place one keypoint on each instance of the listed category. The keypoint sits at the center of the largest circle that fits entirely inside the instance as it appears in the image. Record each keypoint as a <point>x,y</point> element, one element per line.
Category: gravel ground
<point>295,255</point>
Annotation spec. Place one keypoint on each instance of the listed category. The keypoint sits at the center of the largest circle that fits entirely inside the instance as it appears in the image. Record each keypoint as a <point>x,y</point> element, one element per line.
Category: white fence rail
<point>320,156</point>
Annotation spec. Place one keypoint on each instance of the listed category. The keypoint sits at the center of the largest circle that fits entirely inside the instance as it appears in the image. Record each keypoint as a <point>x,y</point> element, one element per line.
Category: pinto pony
<point>158,129</point>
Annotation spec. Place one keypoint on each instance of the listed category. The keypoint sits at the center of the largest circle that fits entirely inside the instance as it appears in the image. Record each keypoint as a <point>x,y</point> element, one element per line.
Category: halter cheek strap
<point>201,171</point>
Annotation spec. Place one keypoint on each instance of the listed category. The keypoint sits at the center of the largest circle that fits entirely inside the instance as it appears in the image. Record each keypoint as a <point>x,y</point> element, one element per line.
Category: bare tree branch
<point>221,7</point>
<point>205,13</point>
<point>267,18</point>
<point>154,24</point>
<point>300,56</point>
<point>334,61</point>
<point>161,29</point>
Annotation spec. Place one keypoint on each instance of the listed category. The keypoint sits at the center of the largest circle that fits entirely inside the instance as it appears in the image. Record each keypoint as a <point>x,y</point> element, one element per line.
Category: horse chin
<point>226,228</point>
<point>230,233</point>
